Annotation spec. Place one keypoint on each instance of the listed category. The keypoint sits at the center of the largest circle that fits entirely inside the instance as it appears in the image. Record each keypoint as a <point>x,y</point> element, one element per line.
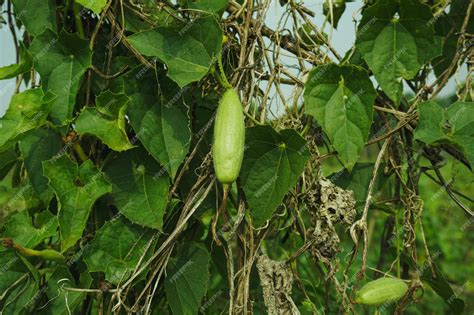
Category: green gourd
<point>229,138</point>
<point>381,291</point>
<point>46,254</point>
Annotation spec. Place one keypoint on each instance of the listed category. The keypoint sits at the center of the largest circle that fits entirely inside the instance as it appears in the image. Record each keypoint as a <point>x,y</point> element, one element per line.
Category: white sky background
<point>342,40</point>
<point>7,57</point>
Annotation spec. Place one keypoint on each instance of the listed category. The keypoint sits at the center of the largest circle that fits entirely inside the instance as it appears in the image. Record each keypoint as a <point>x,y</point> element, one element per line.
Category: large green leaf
<point>187,279</point>
<point>77,188</point>
<point>37,16</point>
<point>139,190</point>
<point>61,62</point>
<point>25,64</point>
<point>396,47</point>
<point>188,50</point>
<point>116,249</point>
<point>27,111</point>
<point>94,5</point>
<point>272,164</point>
<point>21,229</point>
<point>341,100</point>
<point>106,120</point>
<point>36,147</point>
<point>454,124</point>
<point>164,130</point>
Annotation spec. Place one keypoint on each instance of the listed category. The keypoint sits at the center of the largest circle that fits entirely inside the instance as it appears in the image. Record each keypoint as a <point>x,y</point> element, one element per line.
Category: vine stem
<point>192,204</point>
<point>77,18</point>
<point>455,60</point>
<point>13,285</point>
<point>98,25</point>
<point>251,118</point>
<point>80,152</point>
<point>231,271</point>
<point>221,210</point>
<point>220,75</point>
<point>12,29</point>
<point>361,224</point>
<point>447,187</point>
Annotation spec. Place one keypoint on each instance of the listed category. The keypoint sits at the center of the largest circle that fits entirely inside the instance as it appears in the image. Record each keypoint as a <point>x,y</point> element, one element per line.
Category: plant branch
<point>446,185</point>
<point>284,41</point>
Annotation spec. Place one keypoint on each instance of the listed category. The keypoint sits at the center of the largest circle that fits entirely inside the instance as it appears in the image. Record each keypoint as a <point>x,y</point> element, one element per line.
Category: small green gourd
<point>46,254</point>
<point>381,291</point>
<point>229,138</point>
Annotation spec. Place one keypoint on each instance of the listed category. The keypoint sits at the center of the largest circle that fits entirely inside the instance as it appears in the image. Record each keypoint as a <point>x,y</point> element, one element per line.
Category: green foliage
<point>96,6</point>
<point>163,130</point>
<point>116,249</point>
<point>446,26</point>
<point>188,279</point>
<point>106,120</point>
<point>341,99</point>
<point>210,6</point>
<point>20,228</point>
<point>271,167</point>
<point>138,182</point>
<point>62,301</point>
<point>40,145</point>
<point>77,188</point>
<point>440,285</point>
<point>25,64</point>
<point>173,46</point>
<point>395,48</point>
<point>27,111</point>
<point>7,160</point>
<point>37,17</point>
<point>61,61</point>
<point>454,124</point>
<point>358,180</point>
<point>333,10</point>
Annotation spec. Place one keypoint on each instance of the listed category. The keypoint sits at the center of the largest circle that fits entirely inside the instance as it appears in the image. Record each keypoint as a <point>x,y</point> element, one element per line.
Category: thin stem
<point>362,223</point>
<point>77,19</point>
<point>453,190</point>
<point>446,186</point>
<point>80,152</point>
<point>458,54</point>
<point>221,210</point>
<point>221,74</point>
<point>97,27</point>
<point>12,29</point>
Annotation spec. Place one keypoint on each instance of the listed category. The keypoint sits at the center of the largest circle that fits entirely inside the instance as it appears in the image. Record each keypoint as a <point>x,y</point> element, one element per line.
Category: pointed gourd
<point>229,138</point>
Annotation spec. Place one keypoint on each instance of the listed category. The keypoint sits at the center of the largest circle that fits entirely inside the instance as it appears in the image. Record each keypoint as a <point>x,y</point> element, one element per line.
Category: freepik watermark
<point>211,301</point>
<point>180,272</point>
